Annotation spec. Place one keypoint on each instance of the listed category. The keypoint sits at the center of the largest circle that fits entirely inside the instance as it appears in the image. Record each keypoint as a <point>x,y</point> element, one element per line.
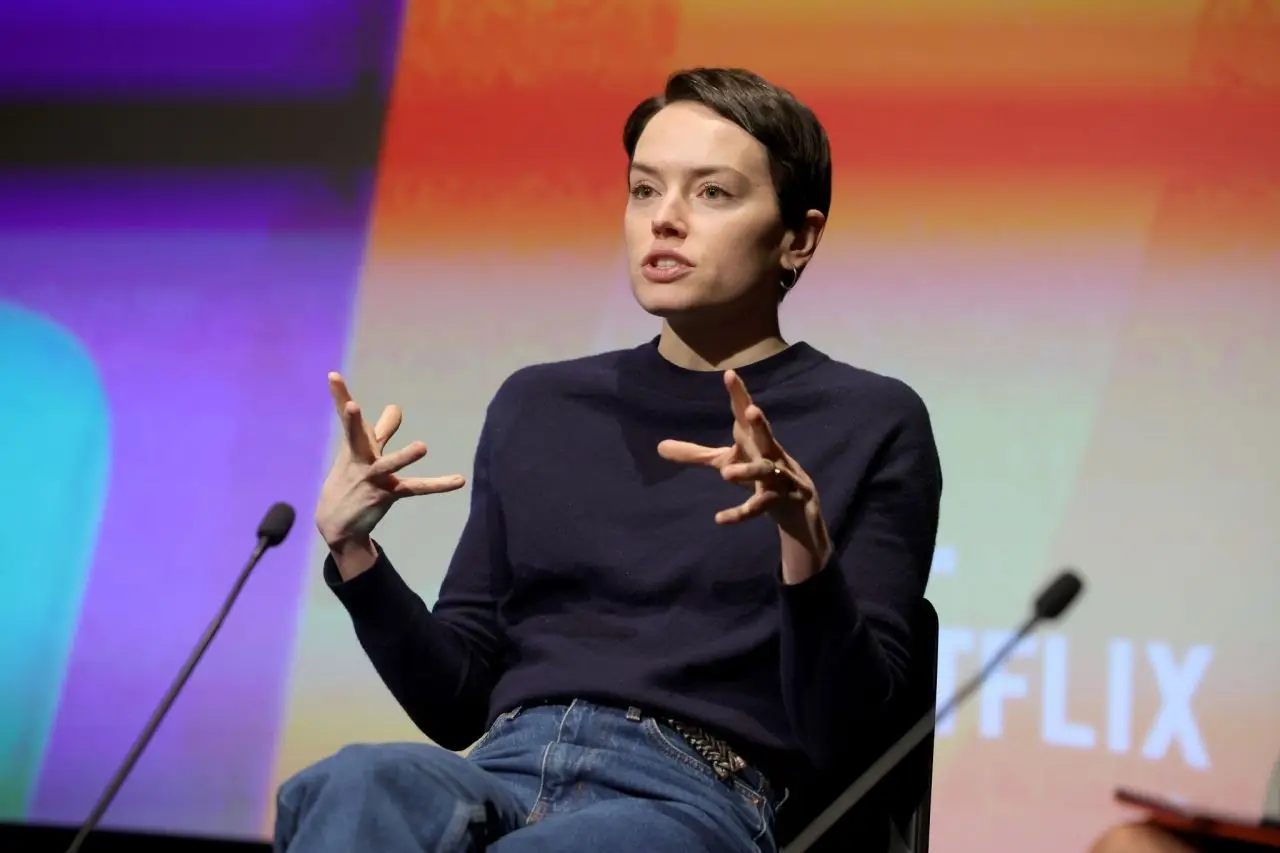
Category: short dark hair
<point>799,153</point>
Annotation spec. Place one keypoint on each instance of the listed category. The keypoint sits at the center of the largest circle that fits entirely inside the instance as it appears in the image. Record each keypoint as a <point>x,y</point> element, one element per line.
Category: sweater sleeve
<point>846,632</point>
<point>440,664</point>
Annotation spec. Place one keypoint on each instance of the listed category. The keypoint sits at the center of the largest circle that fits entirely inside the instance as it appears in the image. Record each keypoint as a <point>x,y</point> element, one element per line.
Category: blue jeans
<point>580,777</point>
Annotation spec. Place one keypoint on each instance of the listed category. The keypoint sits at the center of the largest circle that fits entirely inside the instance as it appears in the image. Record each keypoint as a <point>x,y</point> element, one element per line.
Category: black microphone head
<point>1061,592</point>
<point>276,524</point>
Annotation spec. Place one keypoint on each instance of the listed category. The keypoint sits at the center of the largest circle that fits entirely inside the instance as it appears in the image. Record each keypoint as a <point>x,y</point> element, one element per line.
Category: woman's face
<point>703,227</point>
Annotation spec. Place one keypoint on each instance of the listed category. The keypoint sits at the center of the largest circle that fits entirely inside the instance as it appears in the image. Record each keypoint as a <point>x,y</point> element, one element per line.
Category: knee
<point>1137,838</point>
<point>363,767</point>
<point>361,762</point>
<point>353,767</point>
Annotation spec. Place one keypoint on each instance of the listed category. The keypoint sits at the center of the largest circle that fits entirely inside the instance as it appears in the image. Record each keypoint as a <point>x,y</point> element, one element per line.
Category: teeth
<point>666,263</point>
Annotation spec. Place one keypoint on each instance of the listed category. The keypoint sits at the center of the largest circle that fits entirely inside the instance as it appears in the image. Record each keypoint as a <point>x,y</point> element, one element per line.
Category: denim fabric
<point>577,777</point>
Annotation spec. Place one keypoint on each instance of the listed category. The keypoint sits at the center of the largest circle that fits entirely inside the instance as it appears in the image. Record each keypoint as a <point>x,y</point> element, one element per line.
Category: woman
<point>656,657</point>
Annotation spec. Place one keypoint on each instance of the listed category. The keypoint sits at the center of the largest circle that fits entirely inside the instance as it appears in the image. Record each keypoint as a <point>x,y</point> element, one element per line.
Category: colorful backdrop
<point>1058,220</point>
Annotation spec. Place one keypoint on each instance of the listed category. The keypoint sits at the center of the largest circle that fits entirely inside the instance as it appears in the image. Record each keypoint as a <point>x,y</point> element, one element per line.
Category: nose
<point>669,219</point>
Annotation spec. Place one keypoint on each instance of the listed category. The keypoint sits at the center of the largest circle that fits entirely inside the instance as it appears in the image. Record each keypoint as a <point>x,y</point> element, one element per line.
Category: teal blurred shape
<point>54,460</point>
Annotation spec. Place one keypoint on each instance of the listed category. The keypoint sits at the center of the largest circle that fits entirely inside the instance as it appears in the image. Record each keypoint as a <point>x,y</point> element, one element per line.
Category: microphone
<point>271,532</point>
<point>1051,603</point>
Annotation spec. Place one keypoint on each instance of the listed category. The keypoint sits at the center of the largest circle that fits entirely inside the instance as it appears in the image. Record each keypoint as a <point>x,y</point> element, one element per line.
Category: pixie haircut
<point>799,154</point>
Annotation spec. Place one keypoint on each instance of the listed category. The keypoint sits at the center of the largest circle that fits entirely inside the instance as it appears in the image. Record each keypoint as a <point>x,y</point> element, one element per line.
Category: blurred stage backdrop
<point>1059,220</point>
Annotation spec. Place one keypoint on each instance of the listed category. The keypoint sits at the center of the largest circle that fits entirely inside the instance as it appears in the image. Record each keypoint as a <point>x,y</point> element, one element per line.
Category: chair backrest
<point>912,782</point>
<point>905,793</point>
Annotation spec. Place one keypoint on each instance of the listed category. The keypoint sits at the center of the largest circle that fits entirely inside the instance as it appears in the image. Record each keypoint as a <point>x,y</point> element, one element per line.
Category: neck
<point>720,346</point>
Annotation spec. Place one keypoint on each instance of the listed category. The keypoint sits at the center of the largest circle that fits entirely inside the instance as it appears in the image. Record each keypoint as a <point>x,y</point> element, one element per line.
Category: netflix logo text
<point>1037,680</point>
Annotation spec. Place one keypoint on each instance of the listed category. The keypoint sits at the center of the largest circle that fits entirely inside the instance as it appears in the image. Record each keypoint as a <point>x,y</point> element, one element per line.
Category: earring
<point>795,276</point>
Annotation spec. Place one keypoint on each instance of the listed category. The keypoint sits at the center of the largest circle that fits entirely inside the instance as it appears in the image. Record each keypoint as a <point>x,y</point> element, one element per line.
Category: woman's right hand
<point>363,482</point>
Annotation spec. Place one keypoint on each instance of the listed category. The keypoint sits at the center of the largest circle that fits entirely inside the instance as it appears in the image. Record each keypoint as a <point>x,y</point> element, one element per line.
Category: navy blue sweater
<point>591,568</point>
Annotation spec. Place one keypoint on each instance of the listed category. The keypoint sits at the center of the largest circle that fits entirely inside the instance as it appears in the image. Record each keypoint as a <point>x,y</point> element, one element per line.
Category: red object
<point>1189,820</point>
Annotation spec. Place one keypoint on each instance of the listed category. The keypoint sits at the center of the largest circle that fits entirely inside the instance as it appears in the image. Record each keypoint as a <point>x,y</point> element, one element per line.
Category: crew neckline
<point>660,374</point>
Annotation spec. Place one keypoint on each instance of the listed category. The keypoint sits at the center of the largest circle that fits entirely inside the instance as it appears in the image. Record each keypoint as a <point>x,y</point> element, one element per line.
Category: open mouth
<point>665,266</point>
<point>665,271</point>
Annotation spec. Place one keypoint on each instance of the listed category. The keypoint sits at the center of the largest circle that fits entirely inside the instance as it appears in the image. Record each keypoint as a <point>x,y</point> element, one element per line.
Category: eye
<point>641,191</point>
<point>714,192</point>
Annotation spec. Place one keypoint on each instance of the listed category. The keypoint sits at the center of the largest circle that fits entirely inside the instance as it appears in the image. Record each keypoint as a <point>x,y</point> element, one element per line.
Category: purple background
<point>212,304</point>
<point>139,48</point>
<point>213,307</point>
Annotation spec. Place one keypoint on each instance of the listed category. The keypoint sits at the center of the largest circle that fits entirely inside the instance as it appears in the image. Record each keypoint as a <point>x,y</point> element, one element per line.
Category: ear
<point>798,245</point>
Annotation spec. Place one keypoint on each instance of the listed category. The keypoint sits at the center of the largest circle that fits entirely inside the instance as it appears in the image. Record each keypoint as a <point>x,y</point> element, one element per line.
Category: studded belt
<point>724,761</point>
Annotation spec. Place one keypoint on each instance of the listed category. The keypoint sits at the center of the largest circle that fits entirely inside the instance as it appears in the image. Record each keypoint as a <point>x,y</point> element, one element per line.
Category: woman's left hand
<point>779,486</point>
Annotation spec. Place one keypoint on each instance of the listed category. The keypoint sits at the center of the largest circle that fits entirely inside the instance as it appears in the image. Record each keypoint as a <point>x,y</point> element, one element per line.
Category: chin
<point>666,305</point>
<point>666,300</point>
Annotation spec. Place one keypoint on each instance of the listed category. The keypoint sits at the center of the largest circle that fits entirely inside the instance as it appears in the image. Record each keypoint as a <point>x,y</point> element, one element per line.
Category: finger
<point>752,507</point>
<point>341,397</point>
<point>338,391</point>
<point>409,486</point>
<point>761,431</point>
<point>746,472</point>
<point>387,425</point>
<point>739,399</point>
<point>688,453</point>
<point>357,435</point>
<point>402,458</point>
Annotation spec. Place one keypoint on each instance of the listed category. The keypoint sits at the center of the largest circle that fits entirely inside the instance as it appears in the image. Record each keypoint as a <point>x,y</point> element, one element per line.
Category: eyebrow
<point>696,172</point>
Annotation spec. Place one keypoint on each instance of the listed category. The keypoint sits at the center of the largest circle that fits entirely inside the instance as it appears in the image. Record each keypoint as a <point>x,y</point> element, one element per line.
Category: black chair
<point>911,784</point>
<point>895,815</point>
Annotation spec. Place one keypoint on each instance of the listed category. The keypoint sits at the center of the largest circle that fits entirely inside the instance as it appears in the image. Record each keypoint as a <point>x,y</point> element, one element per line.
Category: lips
<point>663,266</point>
<point>656,255</point>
